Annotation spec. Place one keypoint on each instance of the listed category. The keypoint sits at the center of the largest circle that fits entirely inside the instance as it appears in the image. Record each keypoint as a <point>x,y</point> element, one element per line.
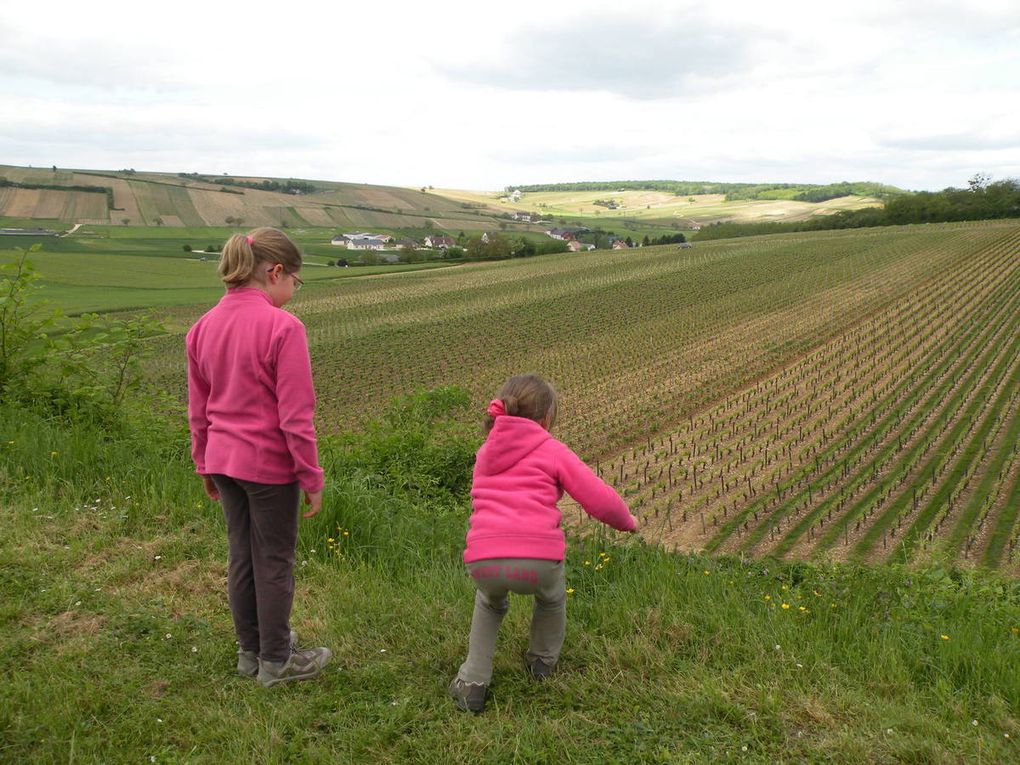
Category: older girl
<point>250,409</point>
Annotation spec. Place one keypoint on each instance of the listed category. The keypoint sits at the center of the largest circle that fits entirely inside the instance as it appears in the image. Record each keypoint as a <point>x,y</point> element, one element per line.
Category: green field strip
<point>183,206</point>
<point>1006,526</point>
<point>965,461</point>
<point>807,473</point>
<point>983,493</point>
<point>874,433</point>
<point>947,436</point>
<point>869,467</point>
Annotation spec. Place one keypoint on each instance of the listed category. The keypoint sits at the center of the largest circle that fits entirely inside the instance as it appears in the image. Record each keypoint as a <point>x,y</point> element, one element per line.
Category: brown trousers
<point>262,522</point>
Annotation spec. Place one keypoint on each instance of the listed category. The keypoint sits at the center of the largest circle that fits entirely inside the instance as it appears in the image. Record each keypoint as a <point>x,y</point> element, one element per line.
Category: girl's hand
<point>637,525</point>
<point>314,500</point>
<point>210,488</point>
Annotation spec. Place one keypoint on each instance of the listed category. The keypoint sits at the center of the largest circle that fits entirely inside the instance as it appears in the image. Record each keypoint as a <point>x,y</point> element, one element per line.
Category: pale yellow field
<point>658,205</point>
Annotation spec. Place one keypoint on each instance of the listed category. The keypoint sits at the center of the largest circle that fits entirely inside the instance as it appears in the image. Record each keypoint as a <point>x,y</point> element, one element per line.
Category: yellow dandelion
<point>587,563</point>
<point>785,587</point>
<point>54,454</point>
<point>944,637</point>
<point>768,597</point>
<point>817,593</point>
<point>786,606</point>
<point>331,540</point>
<point>347,533</point>
<point>570,591</point>
<point>706,572</point>
<point>802,609</point>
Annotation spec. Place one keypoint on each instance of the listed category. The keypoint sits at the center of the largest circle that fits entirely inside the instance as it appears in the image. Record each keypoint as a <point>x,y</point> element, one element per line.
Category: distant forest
<point>800,192</point>
<point>981,201</point>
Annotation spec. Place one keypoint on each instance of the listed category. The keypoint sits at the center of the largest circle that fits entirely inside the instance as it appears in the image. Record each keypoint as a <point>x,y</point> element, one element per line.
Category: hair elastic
<point>496,408</point>
<point>251,240</point>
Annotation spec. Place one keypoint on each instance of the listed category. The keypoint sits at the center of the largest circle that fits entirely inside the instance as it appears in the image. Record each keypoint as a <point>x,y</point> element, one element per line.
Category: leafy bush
<point>59,366</point>
<point>419,447</point>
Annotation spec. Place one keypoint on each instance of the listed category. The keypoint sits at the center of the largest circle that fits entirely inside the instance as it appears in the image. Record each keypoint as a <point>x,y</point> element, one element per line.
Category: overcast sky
<point>482,95</point>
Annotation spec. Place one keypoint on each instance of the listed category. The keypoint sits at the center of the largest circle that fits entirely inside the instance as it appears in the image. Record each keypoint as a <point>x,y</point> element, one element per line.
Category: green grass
<point>116,643</point>
<point>93,274</point>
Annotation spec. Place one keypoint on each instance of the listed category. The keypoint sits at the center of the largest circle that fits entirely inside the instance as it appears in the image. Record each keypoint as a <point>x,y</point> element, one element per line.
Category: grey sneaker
<point>539,670</point>
<point>470,697</point>
<point>302,665</point>
<point>248,661</point>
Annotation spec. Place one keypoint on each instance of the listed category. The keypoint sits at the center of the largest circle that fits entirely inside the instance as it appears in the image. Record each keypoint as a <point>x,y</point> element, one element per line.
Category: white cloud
<point>919,94</point>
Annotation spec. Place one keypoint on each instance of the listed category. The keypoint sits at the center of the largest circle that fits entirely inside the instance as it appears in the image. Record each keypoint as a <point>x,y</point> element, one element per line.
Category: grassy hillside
<point>60,197</point>
<point>148,199</point>
<point>117,646</point>
<point>656,208</point>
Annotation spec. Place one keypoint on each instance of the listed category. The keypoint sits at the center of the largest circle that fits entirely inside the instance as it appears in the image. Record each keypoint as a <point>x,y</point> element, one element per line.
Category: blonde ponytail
<point>243,253</point>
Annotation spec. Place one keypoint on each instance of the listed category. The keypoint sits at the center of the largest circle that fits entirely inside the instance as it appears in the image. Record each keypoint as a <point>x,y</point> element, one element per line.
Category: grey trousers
<point>262,521</point>
<point>494,579</point>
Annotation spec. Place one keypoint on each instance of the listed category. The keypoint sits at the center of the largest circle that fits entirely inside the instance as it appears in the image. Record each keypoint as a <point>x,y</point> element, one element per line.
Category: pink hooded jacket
<point>520,474</point>
<point>250,395</point>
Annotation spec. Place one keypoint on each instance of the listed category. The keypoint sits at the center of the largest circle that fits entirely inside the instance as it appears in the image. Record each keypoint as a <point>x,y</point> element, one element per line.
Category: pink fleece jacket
<point>250,394</point>
<point>520,474</point>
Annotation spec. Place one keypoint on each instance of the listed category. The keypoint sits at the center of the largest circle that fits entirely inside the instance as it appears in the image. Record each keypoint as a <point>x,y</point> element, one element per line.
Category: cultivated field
<point>150,199</point>
<point>659,207</point>
<point>880,418</point>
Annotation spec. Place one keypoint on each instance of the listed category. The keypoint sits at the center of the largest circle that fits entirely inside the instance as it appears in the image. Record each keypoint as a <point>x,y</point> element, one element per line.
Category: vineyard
<point>850,395</point>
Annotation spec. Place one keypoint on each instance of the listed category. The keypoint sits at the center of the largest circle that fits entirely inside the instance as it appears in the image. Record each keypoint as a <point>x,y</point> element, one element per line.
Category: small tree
<point>125,221</point>
<point>187,248</point>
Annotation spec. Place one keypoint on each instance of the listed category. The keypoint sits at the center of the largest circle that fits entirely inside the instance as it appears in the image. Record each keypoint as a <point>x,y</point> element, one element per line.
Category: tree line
<point>980,201</point>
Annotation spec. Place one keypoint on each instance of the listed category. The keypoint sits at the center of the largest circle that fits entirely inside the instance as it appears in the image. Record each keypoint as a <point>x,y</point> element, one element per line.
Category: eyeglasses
<point>298,283</point>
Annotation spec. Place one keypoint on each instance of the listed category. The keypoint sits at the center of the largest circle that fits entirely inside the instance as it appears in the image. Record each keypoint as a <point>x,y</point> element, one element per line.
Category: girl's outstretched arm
<point>598,498</point>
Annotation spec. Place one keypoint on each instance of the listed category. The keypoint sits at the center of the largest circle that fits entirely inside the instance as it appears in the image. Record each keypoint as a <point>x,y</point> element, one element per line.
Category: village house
<point>620,244</point>
<point>524,216</point>
<point>576,246</point>
<point>365,244</point>
<point>439,242</point>
<point>361,240</point>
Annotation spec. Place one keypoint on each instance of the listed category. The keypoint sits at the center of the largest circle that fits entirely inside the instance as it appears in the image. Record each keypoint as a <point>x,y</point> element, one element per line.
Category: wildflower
<point>768,597</point>
<point>802,609</point>
<point>570,591</point>
<point>778,647</point>
<point>587,563</point>
<point>1015,630</point>
<point>944,637</point>
<point>817,593</point>
<point>168,636</point>
<point>786,606</point>
<point>330,540</point>
<point>706,572</point>
<point>785,587</point>
<point>347,533</point>
<point>974,723</point>
<point>54,454</point>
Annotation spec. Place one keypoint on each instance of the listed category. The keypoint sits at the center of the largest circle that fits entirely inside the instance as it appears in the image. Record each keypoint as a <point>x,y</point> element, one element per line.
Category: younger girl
<point>515,543</point>
<point>250,409</point>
